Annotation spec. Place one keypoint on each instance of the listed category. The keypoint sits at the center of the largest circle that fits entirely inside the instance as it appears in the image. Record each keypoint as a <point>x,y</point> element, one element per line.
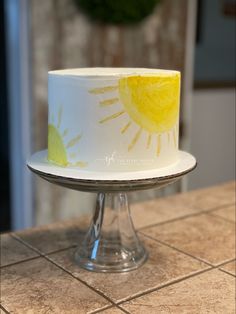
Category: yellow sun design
<point>58,151</point>
<point>151,102</point>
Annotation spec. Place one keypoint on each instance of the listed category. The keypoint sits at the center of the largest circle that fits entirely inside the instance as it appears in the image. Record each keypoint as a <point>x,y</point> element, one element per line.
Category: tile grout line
<point>185,253</point>
<point>217,216</point>
<point>80,280</point>
<point>16,237</point>
<point>61,250</point>
<point>107,307</point>
<point>19,262</point>
<point>185,216</point>
<point>140,294</point>
<point>176,249</point>
<point>41,254</point>
<point>123,310</point>
<point>117,304</point>
<point>113,303</point>
<point>101,309</point>
<point>4,310</point>
<point>45,256</point>
<point>227,272</point>
<point>226,262</point>
<point>110,307</point>
<point>97,291</point>
<point>176,281</point>
<point>120,308</point>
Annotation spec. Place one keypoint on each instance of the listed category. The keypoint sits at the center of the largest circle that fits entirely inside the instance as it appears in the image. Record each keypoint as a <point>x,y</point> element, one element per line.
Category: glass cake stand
<point>111,243</point>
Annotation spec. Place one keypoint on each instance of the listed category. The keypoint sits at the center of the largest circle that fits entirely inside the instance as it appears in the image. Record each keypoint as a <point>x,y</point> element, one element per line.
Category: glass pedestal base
<point>111,243</point>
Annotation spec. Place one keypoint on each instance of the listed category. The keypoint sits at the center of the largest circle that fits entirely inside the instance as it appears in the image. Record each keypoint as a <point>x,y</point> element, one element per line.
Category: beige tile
<point>56,236</point>
<point>164,265</point>
<point>12,251</point>
<point>207,237</point>
<point>230,267</point>
<point>225,212</point>
<point>112,310</point>
<point>172,207</point>
<point>215,196</point>
<point>210,292</point>
<point>158,211</point>
<point>38,286</point>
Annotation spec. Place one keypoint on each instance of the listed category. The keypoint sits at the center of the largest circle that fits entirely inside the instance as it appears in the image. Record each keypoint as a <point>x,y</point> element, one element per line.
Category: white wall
<point>213,137</point>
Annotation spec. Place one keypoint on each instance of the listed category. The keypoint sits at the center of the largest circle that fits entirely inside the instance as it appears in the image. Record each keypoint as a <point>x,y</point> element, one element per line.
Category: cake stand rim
<point>172,174</point>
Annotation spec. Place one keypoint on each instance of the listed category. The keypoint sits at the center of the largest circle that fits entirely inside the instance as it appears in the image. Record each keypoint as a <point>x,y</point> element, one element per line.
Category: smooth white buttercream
<point>76,113</point>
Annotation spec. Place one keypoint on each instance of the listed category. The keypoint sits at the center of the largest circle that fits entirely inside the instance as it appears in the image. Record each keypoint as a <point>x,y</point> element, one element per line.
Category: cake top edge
<point>111,72</point>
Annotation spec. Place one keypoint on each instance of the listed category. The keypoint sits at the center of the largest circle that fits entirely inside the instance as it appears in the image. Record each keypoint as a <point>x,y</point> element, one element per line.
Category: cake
<point>113,119</point>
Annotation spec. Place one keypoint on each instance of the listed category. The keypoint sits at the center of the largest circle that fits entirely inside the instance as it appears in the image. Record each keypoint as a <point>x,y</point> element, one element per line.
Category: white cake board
<point>39,164</point>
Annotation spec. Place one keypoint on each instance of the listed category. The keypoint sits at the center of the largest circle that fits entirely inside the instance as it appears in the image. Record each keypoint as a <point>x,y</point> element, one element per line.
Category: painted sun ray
<point>59,117</point>
<point>72,155</point>
<point>158,144</point>
<point>65,132</point>
<point>131,93</point>
<point>80,164</point>
<point>168,137</point>
<point>108,102</point>
<point>57,148</point>
<point>113,116</point>
<point>135,139</point>
<point>149,140</point>
<point>73,141</point>
<point>125,128</point>
<point>174,137</point>
<point>102,90</point>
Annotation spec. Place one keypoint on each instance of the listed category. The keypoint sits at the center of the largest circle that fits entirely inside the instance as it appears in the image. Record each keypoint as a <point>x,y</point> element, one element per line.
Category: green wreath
<point>117,11</point>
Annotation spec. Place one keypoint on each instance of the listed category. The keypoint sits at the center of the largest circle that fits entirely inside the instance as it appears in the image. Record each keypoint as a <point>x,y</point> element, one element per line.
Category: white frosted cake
<point>113,119</point>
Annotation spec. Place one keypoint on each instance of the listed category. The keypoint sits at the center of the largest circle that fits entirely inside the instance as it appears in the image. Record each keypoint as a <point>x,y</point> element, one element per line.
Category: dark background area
<point>4,132</point>
<point>215,44</point>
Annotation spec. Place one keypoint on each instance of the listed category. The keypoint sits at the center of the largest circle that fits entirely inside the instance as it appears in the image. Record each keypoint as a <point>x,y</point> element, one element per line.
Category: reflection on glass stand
<point>111,243</point>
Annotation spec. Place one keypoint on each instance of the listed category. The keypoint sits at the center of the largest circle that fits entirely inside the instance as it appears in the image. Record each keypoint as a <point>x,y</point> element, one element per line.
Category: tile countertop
<point>191,265</point>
